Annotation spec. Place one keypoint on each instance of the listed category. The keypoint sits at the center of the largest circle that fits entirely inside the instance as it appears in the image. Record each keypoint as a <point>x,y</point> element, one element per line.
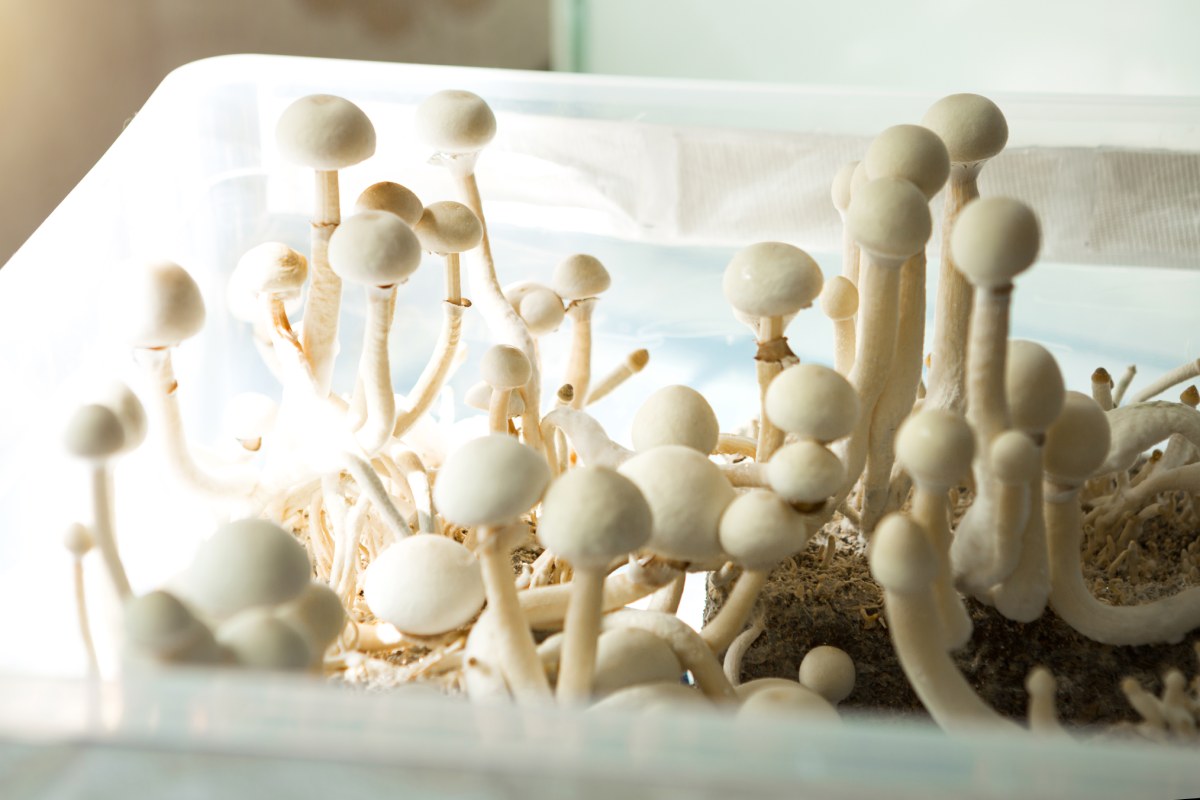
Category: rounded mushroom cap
<point>1077,443</point>
<point>541,309</point>
<point>425,585</point>
<point>1040,681</point>
<point>273,268</point>
<point>161,306</point>
<point>1014,458</point>
<point>492,480</point>
<point>787,702</point>
<point>828,671</point>
<point>505,367</point>
<point>246,563</point>
<point>630,657</point>
<point>901,557</point>
<point>1033,385</point>
<point>911,152</point>
<point>839,298</point>
<point>771,279</point>
<point>259,640</point>
<point>840,191</point>
<point>759,529</point>
<point>375,248</point>
<point>324,132</point>
<point>994,240</point>
<point>654,698</point>
<point>935,446</point>
<point>580,276</point>
<point>317,613</point>
<point>889,218</point>
<point>392,198</point>
<point>972,127</point>
<point>448,227</point>
<point>813,402</point>
<point>455,121</point>
<point>805,472</point>
<point>78,539</point>
<point>121,400</point>
<point>158,624</point>
<point>687,495</point>
<point>858,179</point>
<point>480,396</point>
<point>592,515</point>
<point>676,415</point>
<point>249,416</point>
<point>94,431</point>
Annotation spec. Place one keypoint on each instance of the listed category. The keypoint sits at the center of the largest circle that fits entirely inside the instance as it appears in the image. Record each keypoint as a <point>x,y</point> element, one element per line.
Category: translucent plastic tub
<point>196,178</point>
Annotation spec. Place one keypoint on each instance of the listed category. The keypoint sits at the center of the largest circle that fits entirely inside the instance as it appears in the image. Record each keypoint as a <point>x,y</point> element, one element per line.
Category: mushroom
<point>159,628</point>
<point>506,370</point>
<point>1102,386</point>
<point>393,198</point>
<point>694,655</point>
<point>579,280</point>
<point>425,585</point>
<point>488,483</point>
<point>839,302</point>
<point>1043,716</point>
<point>676,415</point>
<point>634,363</point>
<point>828,671</point>
<point>632,657</point>
<point>839,193</point>
<point>78,541</point>
<point>258,639</point>
<point>273,273</point>
<point>317,614</point>
<point>590,516</point>
<point>974,130</point>
<point>377,250</point>
<point>812,402</point>
<point>326,134</point>
<point>790,701</point>
<point>769,283</point>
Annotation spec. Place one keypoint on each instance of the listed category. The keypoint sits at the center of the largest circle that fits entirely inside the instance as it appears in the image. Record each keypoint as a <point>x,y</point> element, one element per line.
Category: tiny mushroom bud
<point>393,198</point>
<point>813,402</point>
<point>95,433</point>
<point>78,541</point>
<point>676,415</point>
<point>839,302</point>
<point>425,585</point>
<point>828,671</point>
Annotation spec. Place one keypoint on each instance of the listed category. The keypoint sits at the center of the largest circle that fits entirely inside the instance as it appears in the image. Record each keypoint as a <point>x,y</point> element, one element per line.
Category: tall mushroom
<point>579,280</point>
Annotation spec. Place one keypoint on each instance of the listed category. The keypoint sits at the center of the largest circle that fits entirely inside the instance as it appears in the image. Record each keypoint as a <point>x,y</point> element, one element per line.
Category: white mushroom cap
<point>258,639</point>
<point>480,396</point>
<point>901,557</point>
<point>687,495</point>
<point>1077,443</point>
<point>504,367</point>
<point>889,217</point>
<point>159,625</point>
<point>94,431</point>
<point>972,127</point>
<point>324,132</point>
<point>580,276</point>
<point>249,416</point>
<point>828,671</point>
<point>160,306</point>
<point>121,400</point>
<point>592,515</point>
<point>490,481</point>
<point>994,240</point>
<point>392,198</point>
<point>317,613</point>
<point>1033,385</point>
<point>448,227</point>
<point>1014,458</point>
<point>813,402</point>
<point>840,190</point>
<point>455,121</point>
<point>787,702</point>
<point>839,298</point>
<point>911,152</point>
<point>935,446</point>
<point>78,539</point>
<point>805,472</point>
<point>631,656</point>
<point>425,585</point>
<point>858,179</point>
<point>759,529</point>
<point>771,279</point>
<point>542,309</point>
<point>676,415</point>
<point>375,248</point>
<point>273,268</point>
<point>246,563</point>
<point>653,698</point>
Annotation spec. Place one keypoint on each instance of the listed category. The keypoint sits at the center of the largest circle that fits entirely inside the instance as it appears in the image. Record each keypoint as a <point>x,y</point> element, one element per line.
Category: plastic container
<point>195,178</point>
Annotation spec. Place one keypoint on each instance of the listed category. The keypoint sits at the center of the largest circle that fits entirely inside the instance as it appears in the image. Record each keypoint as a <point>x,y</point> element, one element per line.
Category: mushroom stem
<point>370,486</point>
<point>1163,621</point>
<point>930,511</point>
<point>434,376</point>
<point>582,627</point>
<point>722,629</point>
<point>732,663</point>
<point>1043,716</point>
<point>947,375</point>
<point>453,279</point>
<point>374,368</point>
<point>631,366</point>
<point>843,344</point>
<point>693,653</point>
<point>1022,595</point>
<point>1174,377</point>
<point>103,529</point>
<point>586,435</point>
<point>545,607</point>
<point>318,334</point>
<point>1102,386</point>
<point>667,599</point>
<point>1123,384</point>
<point>498,410</point>
<point>81,613</point>
<point>768,365</point>
<point>579,362</point>
<point>731,444</point>
<point>987,351</point>
<point>518,654</point>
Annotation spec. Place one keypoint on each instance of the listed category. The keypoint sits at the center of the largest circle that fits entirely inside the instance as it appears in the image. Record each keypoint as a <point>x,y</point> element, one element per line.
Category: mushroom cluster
<point>506,567</point>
